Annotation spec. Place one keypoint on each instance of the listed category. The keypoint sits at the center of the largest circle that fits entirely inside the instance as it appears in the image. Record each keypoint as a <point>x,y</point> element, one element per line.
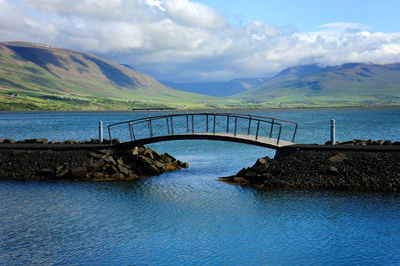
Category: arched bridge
<point>244,128</point>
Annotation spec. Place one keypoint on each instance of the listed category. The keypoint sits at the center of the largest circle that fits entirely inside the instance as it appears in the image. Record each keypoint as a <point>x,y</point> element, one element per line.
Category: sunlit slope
<point>346,85</point>
<point>34,76</point>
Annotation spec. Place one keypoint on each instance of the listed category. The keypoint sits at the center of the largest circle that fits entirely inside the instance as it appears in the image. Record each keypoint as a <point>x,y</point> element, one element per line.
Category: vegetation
<point>38,77</point>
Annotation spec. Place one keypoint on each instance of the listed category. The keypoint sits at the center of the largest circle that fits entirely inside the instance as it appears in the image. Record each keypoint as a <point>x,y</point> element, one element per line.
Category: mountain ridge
<point>43,72</point>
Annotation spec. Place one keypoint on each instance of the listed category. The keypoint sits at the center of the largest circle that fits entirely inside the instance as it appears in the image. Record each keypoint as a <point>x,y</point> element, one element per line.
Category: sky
<point>211,40</point>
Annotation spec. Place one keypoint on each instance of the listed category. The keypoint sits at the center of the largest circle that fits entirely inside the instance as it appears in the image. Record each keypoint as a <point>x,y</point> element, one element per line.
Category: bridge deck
<point>239,138</point>
<point>262,140</point>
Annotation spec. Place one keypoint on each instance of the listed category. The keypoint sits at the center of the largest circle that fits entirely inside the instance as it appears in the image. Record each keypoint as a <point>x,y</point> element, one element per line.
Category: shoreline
<point>41,161</point>
<point>210,109</point>
<point>354,167</point>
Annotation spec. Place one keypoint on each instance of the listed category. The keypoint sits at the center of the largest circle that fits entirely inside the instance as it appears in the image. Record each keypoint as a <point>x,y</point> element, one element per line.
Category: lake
<point>188,217</point>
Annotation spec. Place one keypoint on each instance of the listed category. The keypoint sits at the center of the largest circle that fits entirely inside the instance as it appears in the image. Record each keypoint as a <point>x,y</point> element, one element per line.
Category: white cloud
<point>181,40</point>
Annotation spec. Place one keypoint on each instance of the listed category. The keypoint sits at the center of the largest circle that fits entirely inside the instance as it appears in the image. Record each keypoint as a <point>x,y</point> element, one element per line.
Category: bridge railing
<point>212,123</point>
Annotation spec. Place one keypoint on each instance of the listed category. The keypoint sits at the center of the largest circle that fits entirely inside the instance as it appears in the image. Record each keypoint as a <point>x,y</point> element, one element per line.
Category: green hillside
<point>39,77</point>
<point>353,84</point>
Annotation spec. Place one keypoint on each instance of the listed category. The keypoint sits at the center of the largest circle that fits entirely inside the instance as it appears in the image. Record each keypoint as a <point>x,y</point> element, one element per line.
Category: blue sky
<point>205,40</point>
<point>308,15</point>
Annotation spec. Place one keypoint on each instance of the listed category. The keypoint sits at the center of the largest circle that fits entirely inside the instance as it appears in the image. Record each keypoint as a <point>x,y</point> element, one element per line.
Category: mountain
<point>353,84</point>
<point>40,77</point>
<point>218,89</point>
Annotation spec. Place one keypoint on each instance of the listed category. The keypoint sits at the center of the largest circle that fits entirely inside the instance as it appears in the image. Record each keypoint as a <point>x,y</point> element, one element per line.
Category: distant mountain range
<point>218,89</point>
<point>345,85</point>
<point>39,77</point>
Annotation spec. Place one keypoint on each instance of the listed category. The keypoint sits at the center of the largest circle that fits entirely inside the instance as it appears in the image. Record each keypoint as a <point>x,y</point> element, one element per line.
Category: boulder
<point>63,173</point>
<point>149,153</point>
<point>250,174</point>
<point>123,170</point>
<point>71,141</point>
<point>387,142</point>
<point>98,175</point>
<point>79,172</point>
<point>97,165</point>
<point>110,160</point>
<point>97,155</point>
<point>117,176</point>
<point>259,169</point>
<point>332,170</point>
<point>104,151</point>
<point>159,165</point>
<point>338,158</point>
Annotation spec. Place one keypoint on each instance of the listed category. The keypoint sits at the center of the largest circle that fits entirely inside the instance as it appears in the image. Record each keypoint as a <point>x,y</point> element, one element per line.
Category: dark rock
<point>104,151</point>
<point>333,170</point>
<point>97,165</point>
<point>149,153</point>
<point>98,175</point>
<point>250,174</point>
<point>159,165</point>
<point>63,173</point>
<point>79,172</point>
<point>117,176</point>
<point>123,170</point>
<point>240,180</point>
<point>46,172</point>
<point>71,141</point>
<point>97,155</point>
<point>259,169</point>
<point>338,158</point>
<point>387,142</point>
<point>116,141</point>
<point>110,160</point>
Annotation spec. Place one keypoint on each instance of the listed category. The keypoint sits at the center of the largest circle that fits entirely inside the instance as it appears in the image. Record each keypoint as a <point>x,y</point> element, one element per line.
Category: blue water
<point>187,217</point>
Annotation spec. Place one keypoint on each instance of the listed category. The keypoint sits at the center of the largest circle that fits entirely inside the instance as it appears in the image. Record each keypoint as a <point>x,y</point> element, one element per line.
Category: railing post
<point>279,135</point>
<point>109,134</point>
<point>101,132</point>
<point>187,123</point>
<point>130,130</point>
<point>192,124</point>
<point>227,124</point>
<point>214,125</point>
<point>167,124</point>
<point>207,123</point>
<point>258,127</point>
<point>295,131</point>
<point>172,126</point>
<point>133,133</point>
<point>248,131</point>
<point>235,127</point>
<point>272,128</point>
<point>333,131</point>
<point>150,128</point>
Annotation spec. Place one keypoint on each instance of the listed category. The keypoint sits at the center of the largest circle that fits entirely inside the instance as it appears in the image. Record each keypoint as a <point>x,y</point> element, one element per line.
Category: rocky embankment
<point>327,167</point>
<point>56,162</point>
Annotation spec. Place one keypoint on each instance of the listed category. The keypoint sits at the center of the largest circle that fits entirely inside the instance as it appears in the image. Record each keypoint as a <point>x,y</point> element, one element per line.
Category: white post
<point>101,132</point>
<point>333,137</point>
